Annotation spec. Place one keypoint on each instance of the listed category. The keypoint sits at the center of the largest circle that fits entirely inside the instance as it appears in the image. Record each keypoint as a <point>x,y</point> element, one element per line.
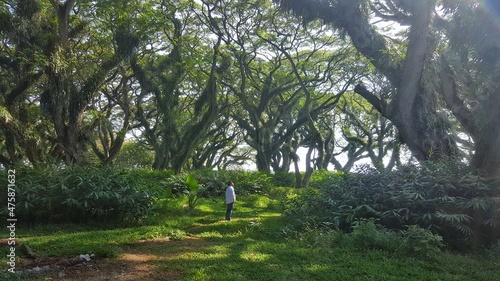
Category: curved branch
<point>378,104</point>
<point>457,106</point>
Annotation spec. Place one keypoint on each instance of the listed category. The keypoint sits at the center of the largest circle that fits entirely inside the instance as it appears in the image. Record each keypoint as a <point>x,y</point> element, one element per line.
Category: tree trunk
<point>481,124</point>
<point>298,176</point>
<point>263,161</point>
<point>409,102</point>
<point>309,168</point>
<point>409,110</point>
<point>486,157</point>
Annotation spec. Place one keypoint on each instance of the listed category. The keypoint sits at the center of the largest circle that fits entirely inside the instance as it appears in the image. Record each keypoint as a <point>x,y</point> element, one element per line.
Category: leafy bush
<point>421,242</point>
<point>367,235</point>
<point>214,182</point>
<point>78,194</point>
<point>324,178</point>
<point>446,199</point>
<point>494,251</point>
<point>305,209</point>
<point>283,179</point>
<point>282,193</point>
<point>412,242</point>
<point>147,179</point>
<point>257,201</point>
<point>194,192</point>
<point>246,183</point>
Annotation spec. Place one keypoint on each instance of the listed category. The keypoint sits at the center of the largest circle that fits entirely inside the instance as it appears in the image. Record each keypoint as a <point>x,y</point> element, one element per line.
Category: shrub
<point>147,179</point>
<point>283,179</point>
<point>194,192</point>
<point>493,252</point>
<point>78,194</point>
<point>246,183</point>
<point>306,210</point>
<point>445,198</point>
<point>214,182</point>
<point>324,178</point>
<point>281,193</point>
<point>412,242</point>
<point>368,235</point>
<point>421,242</point>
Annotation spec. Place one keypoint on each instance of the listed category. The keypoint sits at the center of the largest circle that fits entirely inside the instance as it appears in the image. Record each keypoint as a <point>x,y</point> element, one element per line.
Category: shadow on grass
<point>243,249</point>
<point>251,248</point>
<point>248,248</point>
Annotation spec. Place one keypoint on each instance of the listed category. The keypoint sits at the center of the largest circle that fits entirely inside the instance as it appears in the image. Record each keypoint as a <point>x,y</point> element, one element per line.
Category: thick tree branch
<point>21,87</point>
<point>378,104</point>
<point>63,10</point>
<point>346,14</point>
<point>457,106</point>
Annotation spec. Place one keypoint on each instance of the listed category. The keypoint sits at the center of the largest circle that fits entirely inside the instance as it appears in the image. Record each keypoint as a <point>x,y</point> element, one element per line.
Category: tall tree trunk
<point>409,103</point>
<point>309,168</point>
<point>410,111</point>
<point>263,161</point>
<point>207,107</point>
<point>481,123</point>
<point>298,175</point>
<point>486,157</point>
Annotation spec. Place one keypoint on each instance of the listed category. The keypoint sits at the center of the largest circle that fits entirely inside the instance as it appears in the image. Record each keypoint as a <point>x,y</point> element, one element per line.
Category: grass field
<point>200,245</point>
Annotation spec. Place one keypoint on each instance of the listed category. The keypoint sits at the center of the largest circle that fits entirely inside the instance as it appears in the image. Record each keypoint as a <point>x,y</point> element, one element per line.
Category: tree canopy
<point>445,72</point>
<point>218,83</point>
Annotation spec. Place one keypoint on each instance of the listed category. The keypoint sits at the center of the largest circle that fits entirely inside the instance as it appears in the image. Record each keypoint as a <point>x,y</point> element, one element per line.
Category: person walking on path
<point>230,199</point>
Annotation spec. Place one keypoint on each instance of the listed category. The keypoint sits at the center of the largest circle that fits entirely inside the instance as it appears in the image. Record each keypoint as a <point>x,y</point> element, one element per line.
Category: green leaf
<point>167,193</point>
<point>192,184</point>
<point>192,197</point>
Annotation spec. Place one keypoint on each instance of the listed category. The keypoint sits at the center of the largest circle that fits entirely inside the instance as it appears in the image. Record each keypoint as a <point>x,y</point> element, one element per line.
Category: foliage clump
<point>367,235</point>
<point>413,241</point>
<point>445,198</point>
<point>94,193</point>
<point>215,181</point>
<point>283,179</point>
<point>79,194</point>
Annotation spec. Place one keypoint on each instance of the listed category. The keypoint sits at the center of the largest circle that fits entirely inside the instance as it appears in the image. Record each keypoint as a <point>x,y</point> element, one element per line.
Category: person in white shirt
<point>230,199</point>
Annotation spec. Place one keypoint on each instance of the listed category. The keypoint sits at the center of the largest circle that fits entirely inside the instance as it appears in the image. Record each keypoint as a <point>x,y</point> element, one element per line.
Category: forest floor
<point>256,245</point>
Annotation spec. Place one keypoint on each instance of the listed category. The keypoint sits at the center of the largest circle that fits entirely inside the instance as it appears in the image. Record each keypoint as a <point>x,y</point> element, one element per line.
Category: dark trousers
<point>229,211</point>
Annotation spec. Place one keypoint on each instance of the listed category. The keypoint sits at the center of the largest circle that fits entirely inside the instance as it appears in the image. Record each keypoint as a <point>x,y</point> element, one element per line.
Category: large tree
<point>25,34</point>
<point>179,78</point>
<point>466,62</point>
<point>78,65</point>
<point>56,56</point>
<point>279,69</point>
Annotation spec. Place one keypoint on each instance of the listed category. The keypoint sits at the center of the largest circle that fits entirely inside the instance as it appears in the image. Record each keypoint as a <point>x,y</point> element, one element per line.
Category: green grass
<point>202,246</point>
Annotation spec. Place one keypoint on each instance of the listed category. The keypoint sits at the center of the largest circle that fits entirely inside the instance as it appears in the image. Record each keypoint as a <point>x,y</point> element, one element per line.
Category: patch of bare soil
<point>133,264</point>
<point>127,267</point>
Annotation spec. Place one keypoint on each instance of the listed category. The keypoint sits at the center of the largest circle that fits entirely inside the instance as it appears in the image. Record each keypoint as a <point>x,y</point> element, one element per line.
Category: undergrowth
<point>260,245</point>
<point>448,201</point>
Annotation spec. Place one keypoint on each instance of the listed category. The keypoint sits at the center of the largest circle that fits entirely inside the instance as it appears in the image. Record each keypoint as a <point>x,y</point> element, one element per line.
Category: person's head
<point>230,183</point>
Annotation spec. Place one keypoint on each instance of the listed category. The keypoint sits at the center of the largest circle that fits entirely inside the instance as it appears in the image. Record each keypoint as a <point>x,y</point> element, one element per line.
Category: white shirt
<point>230,195</point>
